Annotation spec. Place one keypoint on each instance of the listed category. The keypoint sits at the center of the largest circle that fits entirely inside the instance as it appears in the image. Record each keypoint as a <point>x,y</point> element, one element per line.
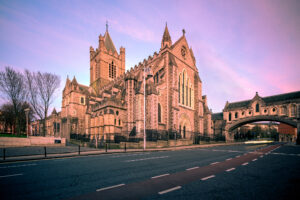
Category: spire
<point>54,111</point>
<point>108,41</point>
<point>74,80</point>
<point>68,80</point>
<point>166,40</point>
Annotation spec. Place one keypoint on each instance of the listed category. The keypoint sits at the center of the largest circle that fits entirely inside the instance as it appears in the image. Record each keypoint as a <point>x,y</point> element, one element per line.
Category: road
<point>224,172</point>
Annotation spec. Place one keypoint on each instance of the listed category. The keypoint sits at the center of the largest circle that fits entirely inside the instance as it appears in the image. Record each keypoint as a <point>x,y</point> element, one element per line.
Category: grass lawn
<point>12,135</point>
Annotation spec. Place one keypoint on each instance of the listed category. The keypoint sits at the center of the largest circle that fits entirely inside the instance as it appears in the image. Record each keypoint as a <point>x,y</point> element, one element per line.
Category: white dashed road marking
<point>169,190</point>
<point>160,176</point>
<point>151,158</point>
<point>246,163</point>
<point>192,168</point>
<point>13,166</point>
<point>10,175</point>
<point>214,163</point>
<point>208,177</point>
<point>229,170</point>
<point>228,158</point>
<point>254,159</point>
<point>110,187</point>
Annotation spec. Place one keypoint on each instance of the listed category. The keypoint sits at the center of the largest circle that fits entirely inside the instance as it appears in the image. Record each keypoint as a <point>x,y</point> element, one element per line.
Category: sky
<point>241,47</point>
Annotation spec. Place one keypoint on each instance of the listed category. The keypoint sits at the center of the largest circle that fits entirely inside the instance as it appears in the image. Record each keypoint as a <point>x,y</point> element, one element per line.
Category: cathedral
<point>163,93</point>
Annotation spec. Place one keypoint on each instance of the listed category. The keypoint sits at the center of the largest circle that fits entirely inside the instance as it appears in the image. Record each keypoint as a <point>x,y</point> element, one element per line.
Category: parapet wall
<point>32,141</point>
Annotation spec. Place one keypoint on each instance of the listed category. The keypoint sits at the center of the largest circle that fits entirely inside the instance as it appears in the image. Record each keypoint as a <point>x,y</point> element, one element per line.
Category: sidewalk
<point>102,151</point>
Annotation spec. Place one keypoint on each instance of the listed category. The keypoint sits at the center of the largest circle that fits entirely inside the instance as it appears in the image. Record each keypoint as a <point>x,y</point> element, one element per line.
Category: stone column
<point>228,135</point>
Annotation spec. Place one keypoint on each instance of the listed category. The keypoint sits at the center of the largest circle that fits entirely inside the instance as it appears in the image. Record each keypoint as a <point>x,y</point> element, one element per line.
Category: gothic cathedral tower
<point>105,63</point>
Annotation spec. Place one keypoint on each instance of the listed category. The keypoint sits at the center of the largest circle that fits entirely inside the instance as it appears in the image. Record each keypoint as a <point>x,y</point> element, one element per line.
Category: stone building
<point>283,108</point>
<point>114,103</point>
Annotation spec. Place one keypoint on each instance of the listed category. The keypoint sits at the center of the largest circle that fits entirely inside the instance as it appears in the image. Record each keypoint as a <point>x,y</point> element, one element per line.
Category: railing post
<point>78,149</point>
<point>4,154</point>
<point>125,147</point>
<point>105,147</point>
<point>45,152</point>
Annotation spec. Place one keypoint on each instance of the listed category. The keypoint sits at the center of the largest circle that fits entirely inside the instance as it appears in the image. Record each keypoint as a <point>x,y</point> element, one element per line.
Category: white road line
<point>214,163</point>
<point>261,156</point>
<point>150,158</point>
<point>246,163</point>
<point>208,177</point>
<point>110,187</point>
<point>229,170</point>
<point>13,166</point>
<point>11,175</point>
<point>192,168</point>
<point>169,190</point>
<point>160,176</point>
<point>255,159</point>
<point>238,156</point>
<point>229,159</point>
<point>133,154</point>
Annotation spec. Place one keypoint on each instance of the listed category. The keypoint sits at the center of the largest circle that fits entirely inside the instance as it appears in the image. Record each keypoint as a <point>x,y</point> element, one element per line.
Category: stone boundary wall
<point>31,141</point>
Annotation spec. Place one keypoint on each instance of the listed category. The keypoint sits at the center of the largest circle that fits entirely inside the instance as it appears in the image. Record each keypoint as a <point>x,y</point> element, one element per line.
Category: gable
<point>181,50</point>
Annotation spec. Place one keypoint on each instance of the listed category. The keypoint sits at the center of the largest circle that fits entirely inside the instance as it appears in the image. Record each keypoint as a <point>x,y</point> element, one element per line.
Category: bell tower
<point>106,63</point>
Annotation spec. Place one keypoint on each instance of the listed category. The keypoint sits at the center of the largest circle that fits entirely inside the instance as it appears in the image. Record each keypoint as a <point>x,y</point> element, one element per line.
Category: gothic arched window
<point>187,94</point>
<point>183,88</point>
<point>293,110</point>
<point>112,70</point>
<point>236,115</point>
<point>283,110</point>
<point>159,113</point>
<point>179,88</point>
<point>185,91</point>
<point>229,117</point>
<point>190,97</point>
<point>257,108</point>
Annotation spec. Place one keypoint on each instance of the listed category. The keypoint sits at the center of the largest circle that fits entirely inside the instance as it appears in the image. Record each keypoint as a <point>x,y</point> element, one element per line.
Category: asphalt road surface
<point>224,172</point>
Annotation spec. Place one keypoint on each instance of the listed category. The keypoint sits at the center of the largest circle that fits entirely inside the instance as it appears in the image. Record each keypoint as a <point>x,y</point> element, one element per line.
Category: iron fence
<point>113,140</point>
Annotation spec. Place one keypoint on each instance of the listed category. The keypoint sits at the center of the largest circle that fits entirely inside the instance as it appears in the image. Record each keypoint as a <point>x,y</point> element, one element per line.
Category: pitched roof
<point>267,100</point>
<point>217,116</point>
<point>109,43</point>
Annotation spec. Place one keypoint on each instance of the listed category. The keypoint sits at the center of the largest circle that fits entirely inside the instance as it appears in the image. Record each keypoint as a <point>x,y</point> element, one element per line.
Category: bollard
<point>105,147</point>
<point>45,152</point>
<point>125,147</point>
<point>4,154</point>
<point>78,149</point>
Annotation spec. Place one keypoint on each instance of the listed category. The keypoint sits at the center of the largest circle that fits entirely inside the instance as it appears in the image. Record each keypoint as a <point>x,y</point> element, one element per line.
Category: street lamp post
<point>27,113</point>
<point>145,70</point>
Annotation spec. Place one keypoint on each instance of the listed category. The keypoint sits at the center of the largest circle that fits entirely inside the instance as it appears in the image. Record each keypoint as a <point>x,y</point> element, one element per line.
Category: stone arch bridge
<point>284,108</point>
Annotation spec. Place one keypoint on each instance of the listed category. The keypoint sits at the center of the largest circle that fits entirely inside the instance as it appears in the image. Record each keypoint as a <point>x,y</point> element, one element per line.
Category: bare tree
<point>13,87</point>
<point>8,118</point>
<point>41,88</point>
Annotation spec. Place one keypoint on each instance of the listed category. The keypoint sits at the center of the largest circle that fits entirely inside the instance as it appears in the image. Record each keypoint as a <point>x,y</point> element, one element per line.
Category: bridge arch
<point>247,120</point>
<point>284,108</point>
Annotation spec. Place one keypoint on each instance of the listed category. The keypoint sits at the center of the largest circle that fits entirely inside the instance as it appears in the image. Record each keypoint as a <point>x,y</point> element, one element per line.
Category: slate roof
<point>217,116</point>
<point>267,100</point>
<point>109,43</point>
